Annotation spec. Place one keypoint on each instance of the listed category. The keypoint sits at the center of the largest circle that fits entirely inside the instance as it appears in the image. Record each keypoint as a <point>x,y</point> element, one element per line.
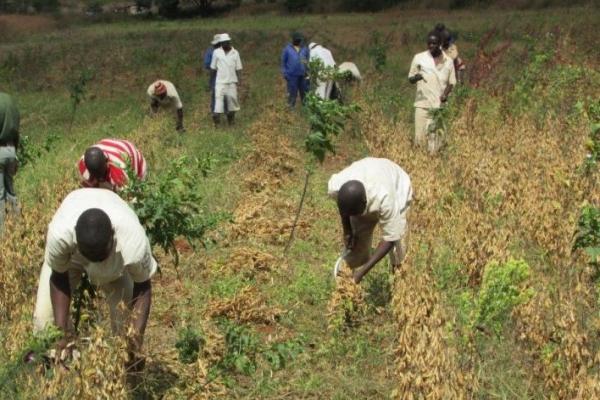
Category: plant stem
<point>291,238</point>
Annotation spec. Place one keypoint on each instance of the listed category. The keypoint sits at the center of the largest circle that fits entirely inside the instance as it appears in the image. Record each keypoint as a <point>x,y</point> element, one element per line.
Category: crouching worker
<point>96,232</point>
<point>104,165</point>
<point>368,192</point>
<point>163,94</point>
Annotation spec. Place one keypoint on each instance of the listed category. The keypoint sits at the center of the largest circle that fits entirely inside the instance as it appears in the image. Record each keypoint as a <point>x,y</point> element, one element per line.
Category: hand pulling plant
<point>327,118</point>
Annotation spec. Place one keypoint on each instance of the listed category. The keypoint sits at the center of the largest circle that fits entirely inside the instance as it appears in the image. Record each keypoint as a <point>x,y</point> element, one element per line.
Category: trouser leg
<point>422,122</point>
<point>303,87</point>
<point>400,249</point>
<point>118,295</point>
<point>292,88</point>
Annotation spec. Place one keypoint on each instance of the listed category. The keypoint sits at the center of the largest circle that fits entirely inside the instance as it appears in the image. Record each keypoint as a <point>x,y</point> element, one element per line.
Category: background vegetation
<point>493,300</point>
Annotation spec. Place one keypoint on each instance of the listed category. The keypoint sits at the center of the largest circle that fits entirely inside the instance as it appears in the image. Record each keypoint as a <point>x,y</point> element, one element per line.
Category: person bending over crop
<point>368,192</point>
<point>226,69</point>
<point>96,232</point>
<point>9,143</point>
<point>105,164</point>
<point>163,94</point>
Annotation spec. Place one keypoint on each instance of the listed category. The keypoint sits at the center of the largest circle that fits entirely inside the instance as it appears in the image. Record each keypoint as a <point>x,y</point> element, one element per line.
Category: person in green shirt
<point>9,143</point>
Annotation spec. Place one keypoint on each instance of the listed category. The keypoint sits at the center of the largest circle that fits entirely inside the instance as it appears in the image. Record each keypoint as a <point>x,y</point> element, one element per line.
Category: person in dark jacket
<point>294,60</point>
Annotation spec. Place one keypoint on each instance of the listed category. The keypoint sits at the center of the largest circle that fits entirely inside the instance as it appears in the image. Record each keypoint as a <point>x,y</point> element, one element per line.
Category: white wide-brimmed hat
<point>224,37</point>
<point>216,39</point>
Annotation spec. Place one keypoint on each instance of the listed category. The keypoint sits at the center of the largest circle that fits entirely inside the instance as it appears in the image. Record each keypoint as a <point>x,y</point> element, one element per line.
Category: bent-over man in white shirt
<point>433,72</point>
<point>226,68</point>
<point>163,94</point>
<point>96,232</point>
<point>368,192</point>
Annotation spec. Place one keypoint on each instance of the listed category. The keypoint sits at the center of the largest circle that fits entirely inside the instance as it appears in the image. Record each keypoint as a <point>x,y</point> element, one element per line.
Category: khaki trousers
<point>362,229</point>
<point>120,290</point>
<point>422,125</point>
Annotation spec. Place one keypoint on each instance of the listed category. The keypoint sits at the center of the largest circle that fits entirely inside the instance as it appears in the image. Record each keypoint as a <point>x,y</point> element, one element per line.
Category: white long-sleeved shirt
<point>435,79</point>
<point>131,252</point>
<point>388,189</point>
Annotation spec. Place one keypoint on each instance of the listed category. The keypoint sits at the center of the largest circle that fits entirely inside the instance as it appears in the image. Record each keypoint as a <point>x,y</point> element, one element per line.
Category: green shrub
<point>501,290</point>
<point>241,349</point>
<point>168,205</point>
<point>168,8</point>
<point>587,236</point>
<point>28,151</point>
<point>189,344</point>
<point>378,51</point>
<point>297,5</point>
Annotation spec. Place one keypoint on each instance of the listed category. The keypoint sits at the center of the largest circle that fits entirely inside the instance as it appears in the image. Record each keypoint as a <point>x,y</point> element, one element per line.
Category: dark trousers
<point>296,85</point>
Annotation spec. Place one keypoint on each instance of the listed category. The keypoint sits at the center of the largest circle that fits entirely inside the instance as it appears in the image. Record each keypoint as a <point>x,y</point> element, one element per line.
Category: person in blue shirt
<point>294,60</point>
<point>215,44</point>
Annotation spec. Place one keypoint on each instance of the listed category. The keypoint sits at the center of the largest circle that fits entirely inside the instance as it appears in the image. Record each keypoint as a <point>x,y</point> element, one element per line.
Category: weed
<point>78,90</point>
<point>587,236</point>
<point>28,152</point>
<point>378,51</point>
<point>189,344</point>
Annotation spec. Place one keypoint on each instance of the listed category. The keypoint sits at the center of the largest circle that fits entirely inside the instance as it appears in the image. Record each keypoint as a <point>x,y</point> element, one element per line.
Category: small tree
<point>78,91</point>
<point>327,118</point>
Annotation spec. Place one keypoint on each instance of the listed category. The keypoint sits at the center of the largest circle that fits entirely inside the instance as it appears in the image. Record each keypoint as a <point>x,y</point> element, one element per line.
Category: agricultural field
<point>495,299</point>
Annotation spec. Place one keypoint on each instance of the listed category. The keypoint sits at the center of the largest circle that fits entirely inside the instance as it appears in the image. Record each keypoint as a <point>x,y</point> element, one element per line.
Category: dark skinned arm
<point>348,237</point>
<point>140,305</point>
<point>154,106</point>
<point>446,93</point>
<point>60,295</point>
<point>381,251</point>
<point>415,78</point>
<point>179,126</point>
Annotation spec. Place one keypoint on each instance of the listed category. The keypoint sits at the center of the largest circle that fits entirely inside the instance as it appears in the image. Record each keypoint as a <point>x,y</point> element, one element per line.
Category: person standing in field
<point>9,143</point>
<point>226,69</point>
<point>449,47</point>
<point>105,164</point>
<point>318,52</point>
<point>372,191</point>
<point>433,72</point>
<point>96,232</point>
<point>163,94</point>
<point>294,60</point>
<point>215,44</point>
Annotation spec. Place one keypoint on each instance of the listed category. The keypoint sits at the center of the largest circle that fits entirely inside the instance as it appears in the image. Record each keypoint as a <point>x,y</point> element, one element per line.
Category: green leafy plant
<point>279,354</point>
<point>189,344</point>
<point>501,290</point>
<point>28,151</point>
<point>242,347</point>
<point>327,119</point>
<point>78,90</point>
<point>378,50</point>
<point>168,205</point>
<point>587,236</point>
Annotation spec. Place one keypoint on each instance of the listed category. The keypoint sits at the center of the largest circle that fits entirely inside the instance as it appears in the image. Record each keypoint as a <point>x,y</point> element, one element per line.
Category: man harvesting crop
<point>226,69</point>
<point>294,60</point>
<point>372,191</point>
<point>9,143</point>
<point>433,72</point>
<point>105,164</point>
<point>163,94</point>
<point>96,232</point>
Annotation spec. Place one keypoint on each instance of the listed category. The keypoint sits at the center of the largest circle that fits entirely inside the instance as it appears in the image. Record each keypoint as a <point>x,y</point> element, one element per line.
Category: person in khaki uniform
<point>372,191</point>
<point>433,72</point>
<point>96,232</point>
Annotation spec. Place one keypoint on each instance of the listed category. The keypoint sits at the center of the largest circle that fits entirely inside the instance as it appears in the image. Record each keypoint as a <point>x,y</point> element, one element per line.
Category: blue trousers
<point>296,85</point>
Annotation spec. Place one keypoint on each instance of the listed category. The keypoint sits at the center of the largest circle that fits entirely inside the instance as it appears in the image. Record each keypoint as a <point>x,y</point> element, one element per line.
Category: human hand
<point>443,98</point>
<point>417,77</point>
<point>358,274</point>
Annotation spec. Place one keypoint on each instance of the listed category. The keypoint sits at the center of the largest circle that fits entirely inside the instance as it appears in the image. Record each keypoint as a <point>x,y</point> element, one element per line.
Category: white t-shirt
<point>131,252</point>
<point>318,52</point>
<point>388,190</point>
<point>436,78</point>
<point>170,100</point>
<point>226,64</point>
